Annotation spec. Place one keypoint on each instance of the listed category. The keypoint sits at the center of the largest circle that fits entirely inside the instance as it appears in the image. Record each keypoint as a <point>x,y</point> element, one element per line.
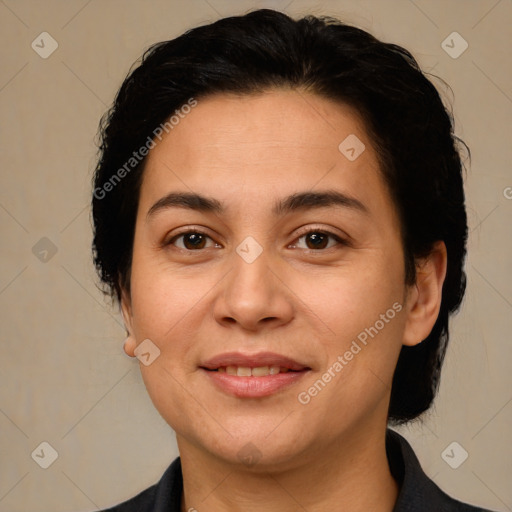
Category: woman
<point>279,210</point>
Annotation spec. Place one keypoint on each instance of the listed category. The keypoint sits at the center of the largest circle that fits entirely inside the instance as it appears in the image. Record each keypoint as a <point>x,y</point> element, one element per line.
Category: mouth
<point>262,362</point>
<point>247,371</point>
<point>253,376</point>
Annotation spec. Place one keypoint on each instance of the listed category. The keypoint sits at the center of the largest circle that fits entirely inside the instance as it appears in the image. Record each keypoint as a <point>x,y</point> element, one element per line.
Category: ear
<point>424,300</point>
<point>130,343</point>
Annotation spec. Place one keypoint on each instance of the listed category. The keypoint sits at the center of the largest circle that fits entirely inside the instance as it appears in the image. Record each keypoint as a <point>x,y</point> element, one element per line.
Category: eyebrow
<point>295,202</point>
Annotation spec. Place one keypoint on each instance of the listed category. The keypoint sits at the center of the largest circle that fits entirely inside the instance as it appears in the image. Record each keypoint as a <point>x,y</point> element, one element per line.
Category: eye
<point>317,239</point>
<point>192,240</point>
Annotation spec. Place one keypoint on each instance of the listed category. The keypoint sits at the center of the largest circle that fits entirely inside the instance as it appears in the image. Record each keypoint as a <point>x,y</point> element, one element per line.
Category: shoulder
<point>162,496</point>
<point>418,493</point>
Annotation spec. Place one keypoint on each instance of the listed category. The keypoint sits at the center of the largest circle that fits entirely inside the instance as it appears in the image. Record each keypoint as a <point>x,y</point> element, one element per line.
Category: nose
<point>254,295</point>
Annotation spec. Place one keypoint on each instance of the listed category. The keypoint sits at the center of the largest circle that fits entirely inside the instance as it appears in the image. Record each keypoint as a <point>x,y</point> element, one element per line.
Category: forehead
<point>294,123</point>
<point>264,146</point>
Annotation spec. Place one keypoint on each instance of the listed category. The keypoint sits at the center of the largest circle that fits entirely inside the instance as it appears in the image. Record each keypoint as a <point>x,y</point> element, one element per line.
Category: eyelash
<point>337,238</point>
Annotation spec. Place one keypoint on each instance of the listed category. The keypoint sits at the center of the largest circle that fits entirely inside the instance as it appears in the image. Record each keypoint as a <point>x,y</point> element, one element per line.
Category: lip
<point>253,361</point>
<point>253,387</point>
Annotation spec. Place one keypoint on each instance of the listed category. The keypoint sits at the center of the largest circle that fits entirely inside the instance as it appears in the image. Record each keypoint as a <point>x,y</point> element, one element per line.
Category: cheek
<point>350,298</point>
<point>360,361</point>
<point>163,298</point>
<point>169,318</point>
<point>364,311</point>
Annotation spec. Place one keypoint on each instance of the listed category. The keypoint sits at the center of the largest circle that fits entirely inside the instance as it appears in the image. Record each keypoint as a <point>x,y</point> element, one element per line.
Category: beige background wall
<point>64,377</point>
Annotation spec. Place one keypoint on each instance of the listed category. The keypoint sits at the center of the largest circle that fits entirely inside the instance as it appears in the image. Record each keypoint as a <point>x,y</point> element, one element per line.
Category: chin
<point>259,445</point>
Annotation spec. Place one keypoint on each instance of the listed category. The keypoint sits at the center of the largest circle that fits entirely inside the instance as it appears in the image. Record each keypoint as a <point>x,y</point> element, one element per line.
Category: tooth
<point>231,370</point>
<point>243,371</point>
<point>260,371</point>
<point>284,370</point>
<point>221,369</point>
<point>274,370</point>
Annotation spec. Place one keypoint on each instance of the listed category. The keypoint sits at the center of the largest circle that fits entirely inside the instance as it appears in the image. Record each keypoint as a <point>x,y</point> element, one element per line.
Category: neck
<point>351,474</point>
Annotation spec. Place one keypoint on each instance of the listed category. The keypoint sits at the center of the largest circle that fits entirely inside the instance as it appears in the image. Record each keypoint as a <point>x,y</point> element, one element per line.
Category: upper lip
<point>253,361</point>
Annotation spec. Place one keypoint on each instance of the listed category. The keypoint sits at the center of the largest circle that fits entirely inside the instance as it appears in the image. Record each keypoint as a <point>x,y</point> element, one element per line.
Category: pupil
<point>195,239</point>
<point>316,238</point>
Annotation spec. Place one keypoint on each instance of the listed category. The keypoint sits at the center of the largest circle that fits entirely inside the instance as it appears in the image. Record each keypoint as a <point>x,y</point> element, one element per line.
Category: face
<point>293,266</point>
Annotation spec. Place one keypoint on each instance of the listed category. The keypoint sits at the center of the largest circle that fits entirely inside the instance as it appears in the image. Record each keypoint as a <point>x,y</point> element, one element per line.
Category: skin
<point>294,299</point>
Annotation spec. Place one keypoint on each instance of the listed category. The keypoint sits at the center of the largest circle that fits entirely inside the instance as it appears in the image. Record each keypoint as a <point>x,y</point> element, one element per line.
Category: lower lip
<point>254,387</point>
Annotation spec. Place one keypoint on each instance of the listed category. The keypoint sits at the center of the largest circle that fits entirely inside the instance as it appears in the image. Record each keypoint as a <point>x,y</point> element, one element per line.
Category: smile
<point>247,371</point>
